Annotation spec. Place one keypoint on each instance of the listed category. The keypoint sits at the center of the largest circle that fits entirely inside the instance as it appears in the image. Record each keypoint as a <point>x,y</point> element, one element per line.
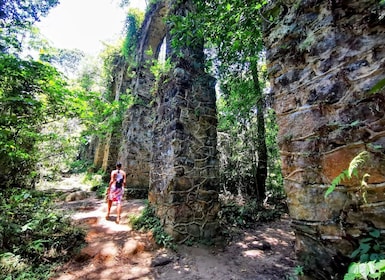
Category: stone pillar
<point>324,57</point>
<point>101,144</point>
<point>135,152</point>
<point>184,172</point>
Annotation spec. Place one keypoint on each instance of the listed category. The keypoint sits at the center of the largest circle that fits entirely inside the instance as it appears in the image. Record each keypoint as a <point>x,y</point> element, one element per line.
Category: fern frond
<point>348,173</point>
<point>364,186</point>
<point>336,181</point>
<point>356,162</point>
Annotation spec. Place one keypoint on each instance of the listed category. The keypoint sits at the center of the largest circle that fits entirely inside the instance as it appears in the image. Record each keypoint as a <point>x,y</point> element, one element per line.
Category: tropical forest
<point>214,139</point>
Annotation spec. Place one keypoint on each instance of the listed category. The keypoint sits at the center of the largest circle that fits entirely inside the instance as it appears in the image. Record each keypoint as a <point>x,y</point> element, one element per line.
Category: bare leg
<point>118,210</point>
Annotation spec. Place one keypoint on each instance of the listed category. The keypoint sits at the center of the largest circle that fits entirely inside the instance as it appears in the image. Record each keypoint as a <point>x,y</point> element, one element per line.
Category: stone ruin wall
<point>107,148</point>
<point>324,57</point>
<point>131,143</point>
<point>168,143</point>
<point>184,173</point>
<point>136,146</point>
<point>184,166</point>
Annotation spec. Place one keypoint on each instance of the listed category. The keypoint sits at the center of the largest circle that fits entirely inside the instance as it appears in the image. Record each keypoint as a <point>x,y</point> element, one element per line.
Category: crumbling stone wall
<point>108,146</point>
<point>169,134</point>
<point>99,151</point>
<point>324,57</point>
<point>184,167</point>
<point>136,145</point>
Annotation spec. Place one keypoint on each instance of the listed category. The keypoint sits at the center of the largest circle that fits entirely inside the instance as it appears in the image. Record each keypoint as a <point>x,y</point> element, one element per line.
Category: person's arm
<point>110,183</point>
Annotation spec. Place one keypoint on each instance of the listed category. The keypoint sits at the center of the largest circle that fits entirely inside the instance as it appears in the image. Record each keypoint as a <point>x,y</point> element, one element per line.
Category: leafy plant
<point>32,94</point>
<point>370,258</point>
<point>298,271</point>
<point>34,236</point>
<point>370,248</point>
<point>242,214</point>
<point>356,162</point>
<point>159,69</point>
<point>134,19</point>
<point>367,270</point>
<point>148,221</point>
<point>16,19</point>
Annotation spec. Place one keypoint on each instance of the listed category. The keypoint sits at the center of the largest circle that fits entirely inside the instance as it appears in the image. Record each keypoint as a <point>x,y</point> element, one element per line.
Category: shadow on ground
<point>115,251</point>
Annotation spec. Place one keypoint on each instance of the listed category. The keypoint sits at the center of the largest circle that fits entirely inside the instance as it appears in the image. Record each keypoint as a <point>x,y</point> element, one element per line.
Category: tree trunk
<point>261,138</point>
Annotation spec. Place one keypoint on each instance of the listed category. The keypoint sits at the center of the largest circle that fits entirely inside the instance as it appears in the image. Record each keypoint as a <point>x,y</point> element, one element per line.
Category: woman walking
<point>115,190</point>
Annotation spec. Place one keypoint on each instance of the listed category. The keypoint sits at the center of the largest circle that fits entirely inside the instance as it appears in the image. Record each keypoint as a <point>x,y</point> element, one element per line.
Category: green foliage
<point>298,271</point>
<point>367,270</point>
<point>159,68</point>
<point>100,111</point>
<point>148,221</point>
<point>133,21</point>
<point>238,141</point>
<point>31,94</point>
<point>235,212</point>
<point>356,162</point>
<point>59,148</point>
<point>67,61</point>
<point>97,182</point>
<point>370,248</point>
<point>33,235</point>
<point>274,181</point>
<point>79,166</point>
<point>16,19</point>
<point>185,31</point>
<point>234,28</point>
<point>380,85</point>
<point>368,258</point>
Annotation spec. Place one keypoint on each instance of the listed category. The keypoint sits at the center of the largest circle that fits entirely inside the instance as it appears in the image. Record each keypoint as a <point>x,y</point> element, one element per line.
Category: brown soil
<point>115,251</point>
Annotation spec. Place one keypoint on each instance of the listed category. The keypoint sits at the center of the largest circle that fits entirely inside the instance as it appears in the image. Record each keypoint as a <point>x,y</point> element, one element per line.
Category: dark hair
<point>118,164</point>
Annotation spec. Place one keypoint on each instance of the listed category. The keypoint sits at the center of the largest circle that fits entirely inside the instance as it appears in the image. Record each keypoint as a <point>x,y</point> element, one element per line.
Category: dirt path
<point>115,251</point>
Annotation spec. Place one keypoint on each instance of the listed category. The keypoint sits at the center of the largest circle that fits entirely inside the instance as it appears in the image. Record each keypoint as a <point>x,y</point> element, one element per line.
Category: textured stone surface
<point>135,152</point>
<point>184,167</point>
<point>108,146</point>
<point>169,135</point>
<point>324,57</point>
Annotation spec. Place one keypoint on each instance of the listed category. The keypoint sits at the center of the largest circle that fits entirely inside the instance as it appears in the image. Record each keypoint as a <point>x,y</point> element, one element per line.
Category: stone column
<point>135,152</point>
<point>324,57</point>
<point>184,172</point>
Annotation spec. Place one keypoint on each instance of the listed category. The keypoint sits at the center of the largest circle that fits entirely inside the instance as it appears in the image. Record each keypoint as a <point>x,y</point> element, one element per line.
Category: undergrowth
<point>241,213</point>
<point>368,259</point>
<point>148,221</point>
<point>34,237</point>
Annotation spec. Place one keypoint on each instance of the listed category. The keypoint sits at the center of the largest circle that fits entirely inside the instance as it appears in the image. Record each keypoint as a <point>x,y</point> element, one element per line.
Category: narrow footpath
<point>116,252</point>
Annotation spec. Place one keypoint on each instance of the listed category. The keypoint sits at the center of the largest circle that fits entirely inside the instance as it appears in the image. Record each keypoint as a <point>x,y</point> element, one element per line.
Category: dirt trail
<point>115,251</point>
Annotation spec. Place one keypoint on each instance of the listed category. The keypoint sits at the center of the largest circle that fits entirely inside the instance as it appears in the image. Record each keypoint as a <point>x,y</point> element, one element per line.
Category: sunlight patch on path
<point>75,181</point>
<point>113,251</point>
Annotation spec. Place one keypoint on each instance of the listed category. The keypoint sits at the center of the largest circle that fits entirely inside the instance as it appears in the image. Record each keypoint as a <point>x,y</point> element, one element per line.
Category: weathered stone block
<point>325,59</point>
